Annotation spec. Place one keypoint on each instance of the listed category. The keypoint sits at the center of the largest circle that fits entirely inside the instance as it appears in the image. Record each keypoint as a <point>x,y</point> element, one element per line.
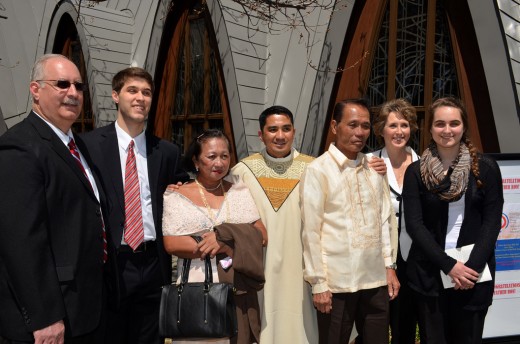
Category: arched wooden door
<point>418,50</point>
<point>68,43</point>
<point>191,95</point>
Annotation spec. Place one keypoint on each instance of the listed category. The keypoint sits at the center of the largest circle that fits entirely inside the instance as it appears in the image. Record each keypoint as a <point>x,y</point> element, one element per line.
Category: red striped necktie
<point>134,231</point>
<point>75,154</point>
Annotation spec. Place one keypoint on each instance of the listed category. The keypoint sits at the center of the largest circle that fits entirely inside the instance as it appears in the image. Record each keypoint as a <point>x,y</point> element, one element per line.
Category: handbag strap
<point>208,271</point>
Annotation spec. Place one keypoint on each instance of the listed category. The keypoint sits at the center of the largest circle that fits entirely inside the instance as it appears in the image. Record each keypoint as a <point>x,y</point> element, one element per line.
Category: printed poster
<point>508,244</point>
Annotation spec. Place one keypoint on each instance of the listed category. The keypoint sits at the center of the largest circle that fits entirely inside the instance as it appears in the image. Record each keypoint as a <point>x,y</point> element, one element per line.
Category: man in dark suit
<point>135,168</point>
<point>51,228</point>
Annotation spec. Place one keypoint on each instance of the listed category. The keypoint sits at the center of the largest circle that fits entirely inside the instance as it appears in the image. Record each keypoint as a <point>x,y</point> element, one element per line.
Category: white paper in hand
<point>462,254</point>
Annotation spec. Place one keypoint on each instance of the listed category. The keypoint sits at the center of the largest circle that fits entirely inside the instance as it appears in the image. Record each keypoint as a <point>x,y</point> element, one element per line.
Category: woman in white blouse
<point>396,122</point>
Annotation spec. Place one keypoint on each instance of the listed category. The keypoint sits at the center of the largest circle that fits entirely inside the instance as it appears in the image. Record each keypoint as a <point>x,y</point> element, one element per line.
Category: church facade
<point>219,63</point>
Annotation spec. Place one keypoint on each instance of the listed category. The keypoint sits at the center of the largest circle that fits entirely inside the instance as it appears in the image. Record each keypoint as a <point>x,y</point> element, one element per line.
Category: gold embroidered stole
<point>277,178</point>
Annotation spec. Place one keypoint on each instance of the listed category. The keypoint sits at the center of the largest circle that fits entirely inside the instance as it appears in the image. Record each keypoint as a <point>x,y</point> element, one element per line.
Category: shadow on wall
<point>3,129</point>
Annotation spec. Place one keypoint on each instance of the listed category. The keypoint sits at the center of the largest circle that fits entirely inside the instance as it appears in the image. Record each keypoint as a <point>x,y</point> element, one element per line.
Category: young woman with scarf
<point>452,198</point>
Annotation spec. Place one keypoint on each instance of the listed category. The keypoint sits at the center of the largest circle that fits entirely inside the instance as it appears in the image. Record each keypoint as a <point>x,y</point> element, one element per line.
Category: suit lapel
<point>392,181</point>
<point>112,162</point>
<point>154,161</point>
<point>86,154</point>
<point>57,145</point>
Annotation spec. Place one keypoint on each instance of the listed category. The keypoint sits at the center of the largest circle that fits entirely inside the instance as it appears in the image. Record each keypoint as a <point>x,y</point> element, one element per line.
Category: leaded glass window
<point>198,104</point>
<point>404,73</point>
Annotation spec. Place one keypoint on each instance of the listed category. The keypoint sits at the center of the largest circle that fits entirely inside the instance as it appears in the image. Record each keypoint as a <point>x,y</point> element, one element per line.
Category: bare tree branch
<point>276,17</point>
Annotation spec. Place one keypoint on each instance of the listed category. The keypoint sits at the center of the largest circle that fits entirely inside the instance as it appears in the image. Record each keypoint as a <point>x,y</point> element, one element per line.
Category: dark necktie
<point>134,231</point>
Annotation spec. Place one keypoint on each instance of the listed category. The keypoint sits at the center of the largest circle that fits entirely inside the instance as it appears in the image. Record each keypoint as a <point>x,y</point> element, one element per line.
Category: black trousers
<point>367,308</point>
<point>443,320</point>
<point>403,313</point>
<point>136,321</point>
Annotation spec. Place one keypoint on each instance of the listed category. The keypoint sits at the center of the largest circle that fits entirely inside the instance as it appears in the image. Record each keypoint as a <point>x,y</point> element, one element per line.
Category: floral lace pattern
<point>182,217</point>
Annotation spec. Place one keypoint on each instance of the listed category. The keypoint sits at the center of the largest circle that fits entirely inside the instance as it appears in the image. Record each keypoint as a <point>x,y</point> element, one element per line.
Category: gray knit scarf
<point>450,186</point>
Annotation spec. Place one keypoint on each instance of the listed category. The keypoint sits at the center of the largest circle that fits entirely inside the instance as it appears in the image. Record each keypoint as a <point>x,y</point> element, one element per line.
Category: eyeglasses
<point>65,84</point>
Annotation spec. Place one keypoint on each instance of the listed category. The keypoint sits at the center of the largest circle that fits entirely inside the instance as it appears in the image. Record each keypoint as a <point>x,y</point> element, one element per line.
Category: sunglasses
<point>65,84</point>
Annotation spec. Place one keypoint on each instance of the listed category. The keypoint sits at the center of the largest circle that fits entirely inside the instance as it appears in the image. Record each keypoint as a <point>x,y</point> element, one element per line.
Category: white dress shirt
<point>123,140</point>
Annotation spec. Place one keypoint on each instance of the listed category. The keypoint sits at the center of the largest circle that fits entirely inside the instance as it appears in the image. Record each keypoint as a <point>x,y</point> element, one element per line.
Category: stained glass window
<point>198,104</point>
<point>410,61</point>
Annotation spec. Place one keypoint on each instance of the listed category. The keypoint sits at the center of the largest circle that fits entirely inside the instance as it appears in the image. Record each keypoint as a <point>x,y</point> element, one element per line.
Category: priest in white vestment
<point>273,175</point>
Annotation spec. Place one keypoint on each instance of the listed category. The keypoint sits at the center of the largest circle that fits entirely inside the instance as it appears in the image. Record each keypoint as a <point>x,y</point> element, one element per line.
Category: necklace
<point>209,189</point>
<point>401,169</point>
<point>399,172</point>
<point>206,204</point>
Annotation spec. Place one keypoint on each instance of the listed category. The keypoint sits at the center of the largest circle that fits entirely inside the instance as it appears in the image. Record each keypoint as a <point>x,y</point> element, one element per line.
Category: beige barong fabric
<point>348,217</point>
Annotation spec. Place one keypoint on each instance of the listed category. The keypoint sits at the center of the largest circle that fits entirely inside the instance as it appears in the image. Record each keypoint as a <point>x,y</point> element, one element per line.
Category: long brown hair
<point>458,104</point>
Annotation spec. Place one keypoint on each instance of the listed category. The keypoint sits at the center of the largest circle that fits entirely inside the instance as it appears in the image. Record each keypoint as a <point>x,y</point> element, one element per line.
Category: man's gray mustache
<point>71,102</point>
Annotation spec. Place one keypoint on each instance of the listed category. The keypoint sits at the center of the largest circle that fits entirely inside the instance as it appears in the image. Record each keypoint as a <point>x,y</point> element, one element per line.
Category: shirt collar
<point>64,137</point>
<point>124,140</point>
<point>289,157</point>
<point>384,153</point>
<point>342,160</point>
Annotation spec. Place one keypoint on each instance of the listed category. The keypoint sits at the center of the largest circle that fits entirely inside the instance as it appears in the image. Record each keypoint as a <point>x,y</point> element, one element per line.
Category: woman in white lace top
<point>195,208</point>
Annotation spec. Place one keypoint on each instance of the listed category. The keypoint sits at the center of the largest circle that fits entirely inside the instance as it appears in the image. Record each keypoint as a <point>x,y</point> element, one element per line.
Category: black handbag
<point>198,309</point>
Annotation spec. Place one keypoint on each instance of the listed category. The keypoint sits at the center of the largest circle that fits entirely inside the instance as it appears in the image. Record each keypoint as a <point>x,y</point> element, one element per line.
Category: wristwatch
<point>393,266</point>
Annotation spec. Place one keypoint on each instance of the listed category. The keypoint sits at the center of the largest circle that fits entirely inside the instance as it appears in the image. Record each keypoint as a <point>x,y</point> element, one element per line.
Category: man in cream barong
<point>347,223</point>
<point>273,176</point>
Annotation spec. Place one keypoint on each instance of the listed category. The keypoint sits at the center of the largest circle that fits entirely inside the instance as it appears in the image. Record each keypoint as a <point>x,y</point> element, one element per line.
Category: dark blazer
<point>51,237</point>
<point>427,220</point>
<point>164,168</point>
